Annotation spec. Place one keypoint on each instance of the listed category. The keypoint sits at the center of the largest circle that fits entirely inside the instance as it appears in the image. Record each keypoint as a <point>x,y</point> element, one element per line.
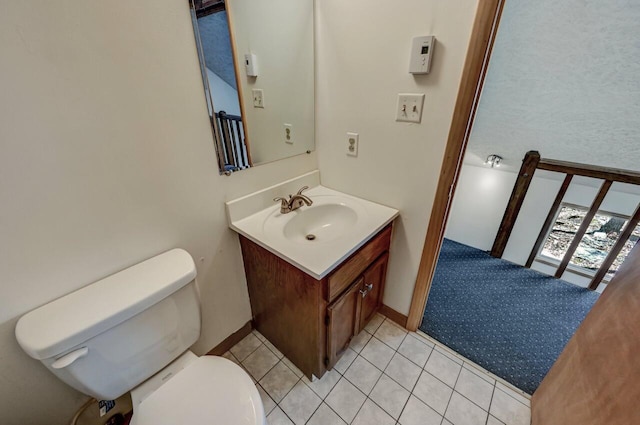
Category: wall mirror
<point>257,63</point>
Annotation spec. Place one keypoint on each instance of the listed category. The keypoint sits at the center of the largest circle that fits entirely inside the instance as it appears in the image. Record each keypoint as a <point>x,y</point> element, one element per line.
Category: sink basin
<point>313,238</point>
<point>323,223</point>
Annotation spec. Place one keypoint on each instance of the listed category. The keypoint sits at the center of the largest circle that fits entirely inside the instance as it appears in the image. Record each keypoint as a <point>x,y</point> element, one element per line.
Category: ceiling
<point>564,79</point>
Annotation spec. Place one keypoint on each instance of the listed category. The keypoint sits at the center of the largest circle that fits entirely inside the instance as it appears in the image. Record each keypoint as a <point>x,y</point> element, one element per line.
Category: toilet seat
<point>210,390</point>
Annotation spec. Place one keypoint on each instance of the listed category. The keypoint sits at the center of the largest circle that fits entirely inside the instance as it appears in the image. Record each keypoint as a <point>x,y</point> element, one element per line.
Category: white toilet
<point>131,332</point>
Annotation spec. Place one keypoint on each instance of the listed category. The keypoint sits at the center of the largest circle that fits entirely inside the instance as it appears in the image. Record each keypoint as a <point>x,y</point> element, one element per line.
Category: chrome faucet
<point>293,202</point>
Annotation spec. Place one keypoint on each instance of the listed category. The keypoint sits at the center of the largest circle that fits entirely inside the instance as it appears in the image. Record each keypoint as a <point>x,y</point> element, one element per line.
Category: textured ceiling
<point>216,44</point>
<point>564,79</point>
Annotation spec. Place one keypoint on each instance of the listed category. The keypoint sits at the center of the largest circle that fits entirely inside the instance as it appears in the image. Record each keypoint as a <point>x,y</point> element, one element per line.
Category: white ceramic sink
<point>327,219</point>
<point>315,238</point>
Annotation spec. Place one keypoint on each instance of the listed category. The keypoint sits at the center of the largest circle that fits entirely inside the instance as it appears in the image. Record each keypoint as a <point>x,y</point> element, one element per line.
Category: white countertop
<point>318,257</point>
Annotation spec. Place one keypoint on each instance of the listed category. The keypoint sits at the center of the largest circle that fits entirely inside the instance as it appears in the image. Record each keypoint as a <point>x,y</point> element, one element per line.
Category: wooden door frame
<point>483,35</point>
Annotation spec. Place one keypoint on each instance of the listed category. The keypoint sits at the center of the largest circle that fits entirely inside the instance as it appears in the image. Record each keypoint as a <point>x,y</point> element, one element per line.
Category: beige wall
<point>363,60</point>
<point>106,159</point>
<point>280,34</point>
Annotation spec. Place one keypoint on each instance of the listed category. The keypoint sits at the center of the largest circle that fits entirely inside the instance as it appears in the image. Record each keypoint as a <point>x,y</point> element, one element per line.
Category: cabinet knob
<point>366,290</point>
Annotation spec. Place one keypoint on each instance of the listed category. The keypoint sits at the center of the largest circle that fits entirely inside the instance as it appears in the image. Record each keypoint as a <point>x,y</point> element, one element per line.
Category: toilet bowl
<point>198,390</point>
<point>130,332</point>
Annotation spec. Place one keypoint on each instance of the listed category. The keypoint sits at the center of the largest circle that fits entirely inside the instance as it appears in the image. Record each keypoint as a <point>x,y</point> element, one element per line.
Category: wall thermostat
<point>421,54</point>
<point>251,63</point>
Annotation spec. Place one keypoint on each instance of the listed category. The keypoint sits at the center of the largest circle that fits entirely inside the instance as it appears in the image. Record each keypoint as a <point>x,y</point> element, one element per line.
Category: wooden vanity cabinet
<point>313,321</point>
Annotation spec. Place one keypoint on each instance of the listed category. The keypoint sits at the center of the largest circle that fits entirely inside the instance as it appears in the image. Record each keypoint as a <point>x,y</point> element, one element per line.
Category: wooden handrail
<point>595,171</point>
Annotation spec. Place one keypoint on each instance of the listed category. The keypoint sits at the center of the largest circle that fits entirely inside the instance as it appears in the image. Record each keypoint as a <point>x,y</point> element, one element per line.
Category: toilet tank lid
<point>52,329</point>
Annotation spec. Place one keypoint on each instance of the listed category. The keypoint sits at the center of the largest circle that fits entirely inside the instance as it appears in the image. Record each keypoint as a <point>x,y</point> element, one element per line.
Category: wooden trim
<point>594,171</point>
<point>613,254</point>
<point>595,206</point>
<point>237,64</point>
<point>550,219</point>
<point>481,42</point>
<point>525,175</point>
<point>393,315</point>
<point>231,340</point>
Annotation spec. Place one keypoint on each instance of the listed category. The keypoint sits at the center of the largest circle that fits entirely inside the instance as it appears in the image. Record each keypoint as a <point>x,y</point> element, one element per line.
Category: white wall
<point>225,97</point>
<point>363,58</point>
<point>281,34</point>
<point>106,159</point>
<point>482,196</point>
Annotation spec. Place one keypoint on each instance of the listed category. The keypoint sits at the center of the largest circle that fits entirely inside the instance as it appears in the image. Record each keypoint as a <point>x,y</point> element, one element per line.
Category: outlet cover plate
<point>409,107</point>
<point>352,144</point>
<point>288,133</point>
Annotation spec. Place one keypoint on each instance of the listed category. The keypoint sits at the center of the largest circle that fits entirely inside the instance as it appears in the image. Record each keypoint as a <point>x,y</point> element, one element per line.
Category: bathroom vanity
<point>312,321</point>
<point>315,273</point>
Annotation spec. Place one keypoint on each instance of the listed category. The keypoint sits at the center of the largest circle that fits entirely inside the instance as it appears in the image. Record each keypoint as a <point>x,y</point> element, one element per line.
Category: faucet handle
<point>303,188</point>
<point>280,199</point>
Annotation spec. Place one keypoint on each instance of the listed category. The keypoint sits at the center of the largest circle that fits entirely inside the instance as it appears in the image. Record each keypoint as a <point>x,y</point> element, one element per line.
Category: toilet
<point>131,331</point>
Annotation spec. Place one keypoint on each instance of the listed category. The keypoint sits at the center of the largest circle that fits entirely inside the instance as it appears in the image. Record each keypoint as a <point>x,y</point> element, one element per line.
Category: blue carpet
<point>511,320</point>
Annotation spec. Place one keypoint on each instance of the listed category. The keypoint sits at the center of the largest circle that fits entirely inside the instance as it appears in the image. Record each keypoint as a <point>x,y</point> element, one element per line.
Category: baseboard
<point>390,313</point>
<point>231,340</point>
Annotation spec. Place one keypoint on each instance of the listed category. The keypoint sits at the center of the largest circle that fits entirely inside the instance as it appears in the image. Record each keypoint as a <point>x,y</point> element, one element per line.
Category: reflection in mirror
<point>261,110</point>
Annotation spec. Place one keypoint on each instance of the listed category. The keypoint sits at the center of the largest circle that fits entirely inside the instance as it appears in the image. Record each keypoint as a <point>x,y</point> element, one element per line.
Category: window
<point>596,244</point>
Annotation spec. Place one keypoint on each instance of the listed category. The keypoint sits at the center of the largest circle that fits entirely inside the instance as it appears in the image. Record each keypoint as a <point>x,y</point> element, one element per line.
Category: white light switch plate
<point>409,108</point>
<point>258,98</point>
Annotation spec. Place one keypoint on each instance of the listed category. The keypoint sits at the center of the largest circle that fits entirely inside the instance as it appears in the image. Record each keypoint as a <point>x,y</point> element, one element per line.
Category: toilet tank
<point>108,337</point>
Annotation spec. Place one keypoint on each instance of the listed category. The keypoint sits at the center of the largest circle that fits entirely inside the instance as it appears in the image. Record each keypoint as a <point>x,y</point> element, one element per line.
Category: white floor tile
<point>258,335</point>
<point>363,374</point>
<point>374,323</point>
<point>390,396</point>
<point>323,386</point>
<point>403,371</point>
<point>443,368</point>
<point>463,412</point>
<point>418,413</point>
<point>482,373</point>
<point>325,416</point>
<point>277,417</point>
<point>267,402</point>
<point>509,410</point>
<point>474,388</point>
<point>345,361</point>
<point>494,421</point>
<point>434,392</point>
<point>273,348</point>
<point>378,353</point>
<point>231,357</point>
<point>391,334</point>
<point>450,354</point>
<point>300,403</point>
<point>248,345</point>
<point>371,414</point>
<point>345,399</point>
<point>278,381</point>
<point>415,350</point>
<point>517,394</point>
<point>260,362</point>
<point>293,367</point>
<point>359,341</point>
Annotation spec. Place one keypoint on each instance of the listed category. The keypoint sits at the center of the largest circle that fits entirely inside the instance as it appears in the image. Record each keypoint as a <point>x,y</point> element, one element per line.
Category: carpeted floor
<point>508,319</point>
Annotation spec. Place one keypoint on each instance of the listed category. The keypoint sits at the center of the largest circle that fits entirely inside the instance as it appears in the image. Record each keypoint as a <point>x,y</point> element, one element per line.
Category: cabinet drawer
<point>357,263</point>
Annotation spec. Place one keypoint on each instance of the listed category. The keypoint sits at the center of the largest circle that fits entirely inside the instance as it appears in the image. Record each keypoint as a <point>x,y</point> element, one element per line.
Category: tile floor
<point>388,376</point>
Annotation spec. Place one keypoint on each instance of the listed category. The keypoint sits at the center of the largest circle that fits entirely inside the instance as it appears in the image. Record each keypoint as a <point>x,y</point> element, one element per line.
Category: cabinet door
<point>344,317</point>
<point>372,289</point>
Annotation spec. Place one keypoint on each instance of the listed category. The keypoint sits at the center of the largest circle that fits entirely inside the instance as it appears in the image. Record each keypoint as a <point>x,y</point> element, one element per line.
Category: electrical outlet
<point>288,134</point>
<point>258,98</point>
<point>352,144</point>
<point>409,108</point>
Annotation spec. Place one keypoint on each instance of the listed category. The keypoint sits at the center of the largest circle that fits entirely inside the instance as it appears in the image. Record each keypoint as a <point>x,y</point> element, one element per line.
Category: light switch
<point>258,98</point>
<point>409,108</point>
